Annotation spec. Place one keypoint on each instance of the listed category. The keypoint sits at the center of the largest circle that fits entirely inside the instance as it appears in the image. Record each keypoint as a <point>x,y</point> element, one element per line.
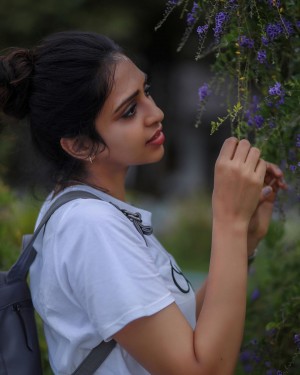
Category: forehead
<point>127,79</point>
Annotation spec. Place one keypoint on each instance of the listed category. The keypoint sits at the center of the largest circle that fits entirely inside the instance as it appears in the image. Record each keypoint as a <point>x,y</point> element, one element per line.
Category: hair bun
<point>16,70</point>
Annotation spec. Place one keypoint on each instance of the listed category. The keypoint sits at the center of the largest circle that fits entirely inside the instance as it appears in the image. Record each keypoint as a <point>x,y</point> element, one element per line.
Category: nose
<point>154,113</point>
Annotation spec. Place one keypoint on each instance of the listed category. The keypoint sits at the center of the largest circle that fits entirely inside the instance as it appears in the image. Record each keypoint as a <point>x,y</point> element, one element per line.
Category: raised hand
<point>239,179</point>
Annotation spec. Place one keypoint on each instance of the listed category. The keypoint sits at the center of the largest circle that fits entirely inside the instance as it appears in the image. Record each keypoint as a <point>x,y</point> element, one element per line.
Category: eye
<point>147,89</point>
<point>130,112</point>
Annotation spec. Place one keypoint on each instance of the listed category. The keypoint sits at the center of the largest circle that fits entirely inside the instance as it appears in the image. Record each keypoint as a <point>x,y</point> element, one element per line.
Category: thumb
<point>265,193</point>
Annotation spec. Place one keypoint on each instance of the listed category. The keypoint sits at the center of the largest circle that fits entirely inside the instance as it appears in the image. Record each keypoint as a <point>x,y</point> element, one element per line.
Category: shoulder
<point>90,213</point>
<point>88,209</point>
<point>93,220</point>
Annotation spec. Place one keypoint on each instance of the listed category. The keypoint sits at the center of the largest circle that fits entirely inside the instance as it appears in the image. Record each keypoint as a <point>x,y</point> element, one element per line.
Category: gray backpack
<point>19,346</point>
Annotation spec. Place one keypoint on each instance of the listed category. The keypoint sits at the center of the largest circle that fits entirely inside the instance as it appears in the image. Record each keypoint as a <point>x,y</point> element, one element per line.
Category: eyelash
<point>132,110</point>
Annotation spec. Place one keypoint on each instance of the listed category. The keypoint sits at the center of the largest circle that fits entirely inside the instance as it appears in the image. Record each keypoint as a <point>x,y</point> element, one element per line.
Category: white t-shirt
<point>93,274</point>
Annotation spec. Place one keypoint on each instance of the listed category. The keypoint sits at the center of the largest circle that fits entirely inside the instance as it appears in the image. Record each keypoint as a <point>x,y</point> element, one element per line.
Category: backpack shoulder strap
<point>95,358</point>
<point>20,269</point>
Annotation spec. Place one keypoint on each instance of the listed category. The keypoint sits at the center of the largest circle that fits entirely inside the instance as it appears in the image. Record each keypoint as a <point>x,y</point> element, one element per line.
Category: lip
<point>158,138</point>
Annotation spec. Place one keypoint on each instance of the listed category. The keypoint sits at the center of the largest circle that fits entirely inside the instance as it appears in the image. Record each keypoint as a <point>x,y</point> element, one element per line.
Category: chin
<point>158,157</point>
<point>154,158</point>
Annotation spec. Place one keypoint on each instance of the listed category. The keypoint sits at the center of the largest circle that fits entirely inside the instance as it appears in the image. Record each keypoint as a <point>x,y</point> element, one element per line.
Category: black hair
<point>60,86</point>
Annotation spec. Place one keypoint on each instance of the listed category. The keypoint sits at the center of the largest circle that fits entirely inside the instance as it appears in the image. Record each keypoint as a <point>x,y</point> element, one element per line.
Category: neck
<point>112,185</point>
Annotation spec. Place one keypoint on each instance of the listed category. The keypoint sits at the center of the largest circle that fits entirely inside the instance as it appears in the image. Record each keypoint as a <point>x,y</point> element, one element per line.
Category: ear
<point>78,147</point>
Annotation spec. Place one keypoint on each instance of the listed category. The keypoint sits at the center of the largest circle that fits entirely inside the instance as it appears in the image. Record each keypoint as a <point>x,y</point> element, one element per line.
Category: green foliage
<point>254,47</point>
<point>17,217</point>
<point>189,238</point>
<point>232,115</point>
<point>273,314</point>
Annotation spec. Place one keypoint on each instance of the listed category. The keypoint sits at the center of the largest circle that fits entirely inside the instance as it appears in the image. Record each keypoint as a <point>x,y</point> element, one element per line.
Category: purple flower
<point>276,90</point>
<point>255,295</point>
<point>259,121</point>
<point>220,19</point>
<point>250,114</point>
<point>273,30</point>
<point>298,141</point>
<point>202,29</point>
<point>203,92</point>
<point>292,155</point>
<point>264,40</point>
<point>245,356</point>
<point>298,24</point>
<point>274,3</point>
<point>272,125</point>
<point>191,17</point>
<point>288,27</point>
<point>246,42</point>
<point>280,101</point>
<point>262,56</point>
<point>293,168</point>
<point>297,338</point>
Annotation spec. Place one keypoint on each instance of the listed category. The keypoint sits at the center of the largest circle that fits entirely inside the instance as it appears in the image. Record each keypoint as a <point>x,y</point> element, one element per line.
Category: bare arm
<point>260,220</point>
<point>200,298</point>
<point>164,343</point>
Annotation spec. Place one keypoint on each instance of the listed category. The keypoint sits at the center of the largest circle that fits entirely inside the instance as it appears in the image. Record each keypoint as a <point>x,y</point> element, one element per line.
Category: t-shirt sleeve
<point>106,264</point>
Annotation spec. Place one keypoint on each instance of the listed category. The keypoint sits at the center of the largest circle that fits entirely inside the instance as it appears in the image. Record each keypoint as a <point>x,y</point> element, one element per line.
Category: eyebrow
<point>132,96</point>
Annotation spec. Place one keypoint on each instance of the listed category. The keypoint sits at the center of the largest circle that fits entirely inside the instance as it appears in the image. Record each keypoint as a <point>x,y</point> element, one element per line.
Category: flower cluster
<point>220,20</point>
<point>246,42</point>
<point>203,92</point>
<point>253,115</point>
<point>192,16</point>
<point>202,29</point>
<point>297,340</point>
<point>254,46</point>
<point>262,56</point>
<point>278,93</point>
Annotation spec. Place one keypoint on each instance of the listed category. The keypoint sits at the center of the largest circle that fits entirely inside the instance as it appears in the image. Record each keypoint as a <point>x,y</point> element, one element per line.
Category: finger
<point>279,183</point>
<point>274,170</point>
<point>261,170</point>
<point>266,193</point>
<point>274,176</point>
<point>242,150</point>
<point>282,184</point>
<point>253,157</point>
<point>228,148</point>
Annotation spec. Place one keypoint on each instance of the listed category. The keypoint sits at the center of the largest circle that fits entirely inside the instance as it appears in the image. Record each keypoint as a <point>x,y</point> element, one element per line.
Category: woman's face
<point>130,121</point>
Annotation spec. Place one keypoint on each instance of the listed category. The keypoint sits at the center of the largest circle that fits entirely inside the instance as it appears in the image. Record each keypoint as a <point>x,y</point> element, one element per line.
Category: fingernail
<point>267,190</point>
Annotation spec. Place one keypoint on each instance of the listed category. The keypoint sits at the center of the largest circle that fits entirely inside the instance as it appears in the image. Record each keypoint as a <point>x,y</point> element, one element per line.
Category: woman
<point>97,276</point>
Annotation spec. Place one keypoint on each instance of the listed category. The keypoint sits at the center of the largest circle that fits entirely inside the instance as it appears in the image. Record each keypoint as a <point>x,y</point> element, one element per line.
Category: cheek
<point>125,139</point>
